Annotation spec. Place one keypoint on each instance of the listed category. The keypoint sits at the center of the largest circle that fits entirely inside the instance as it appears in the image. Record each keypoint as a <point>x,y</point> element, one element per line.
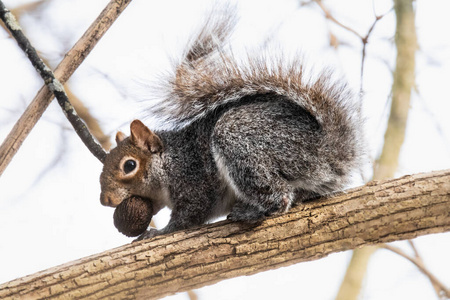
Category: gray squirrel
<point>251,138</point>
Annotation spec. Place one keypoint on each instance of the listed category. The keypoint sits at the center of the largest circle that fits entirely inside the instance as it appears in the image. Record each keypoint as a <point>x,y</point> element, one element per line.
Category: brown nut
<point>133,216</point>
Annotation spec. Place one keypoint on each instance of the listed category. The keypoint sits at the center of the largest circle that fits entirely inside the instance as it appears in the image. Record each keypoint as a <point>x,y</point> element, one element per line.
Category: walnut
<point>133,215</point>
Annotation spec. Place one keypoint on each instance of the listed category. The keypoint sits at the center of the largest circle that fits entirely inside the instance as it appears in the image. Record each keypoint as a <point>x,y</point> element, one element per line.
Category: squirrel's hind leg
<point>254,210</point>
<point>258,194</point>
<point>264,149</point>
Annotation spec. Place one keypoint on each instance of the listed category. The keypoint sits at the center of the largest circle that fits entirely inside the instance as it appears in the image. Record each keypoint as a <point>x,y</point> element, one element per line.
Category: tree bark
<point>378,212</point>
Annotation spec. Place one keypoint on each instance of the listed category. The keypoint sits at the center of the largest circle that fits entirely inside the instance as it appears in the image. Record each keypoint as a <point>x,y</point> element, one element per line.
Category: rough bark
<point>378,212</point>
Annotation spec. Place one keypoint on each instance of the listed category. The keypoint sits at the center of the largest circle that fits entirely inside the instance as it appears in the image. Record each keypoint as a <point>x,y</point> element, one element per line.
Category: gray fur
<point>252,138</point>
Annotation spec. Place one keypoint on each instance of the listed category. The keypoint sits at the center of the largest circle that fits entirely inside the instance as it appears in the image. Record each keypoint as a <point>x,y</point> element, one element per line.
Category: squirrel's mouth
<point>143,198</point>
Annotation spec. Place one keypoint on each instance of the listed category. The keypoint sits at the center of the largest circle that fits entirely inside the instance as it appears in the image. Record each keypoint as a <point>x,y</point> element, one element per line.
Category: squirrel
<point>251,138</point>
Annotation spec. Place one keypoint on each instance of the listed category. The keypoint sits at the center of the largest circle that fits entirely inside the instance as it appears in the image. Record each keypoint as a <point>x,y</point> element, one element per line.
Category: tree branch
<point>330,17</point>
<point>441,290</point>
<point>52,83</point>
<point>364,39</point>
<point>378,212</point>
<point>65,69</point>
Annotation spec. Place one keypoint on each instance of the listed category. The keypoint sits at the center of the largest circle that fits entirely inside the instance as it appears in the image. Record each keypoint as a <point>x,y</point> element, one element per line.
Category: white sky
<point>49,219</point>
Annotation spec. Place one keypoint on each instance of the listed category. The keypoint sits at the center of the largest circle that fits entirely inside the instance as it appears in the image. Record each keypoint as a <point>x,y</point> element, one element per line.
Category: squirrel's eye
<point>129,166</point>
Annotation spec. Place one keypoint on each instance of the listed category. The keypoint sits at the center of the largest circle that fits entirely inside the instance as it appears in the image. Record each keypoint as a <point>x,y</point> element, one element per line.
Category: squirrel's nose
<point>107,199</point>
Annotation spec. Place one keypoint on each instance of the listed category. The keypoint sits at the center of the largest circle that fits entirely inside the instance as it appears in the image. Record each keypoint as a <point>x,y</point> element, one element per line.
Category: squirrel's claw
<point>152,232</point>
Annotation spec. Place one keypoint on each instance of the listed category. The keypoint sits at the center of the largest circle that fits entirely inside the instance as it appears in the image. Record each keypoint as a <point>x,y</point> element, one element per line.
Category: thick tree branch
<point>65,69</point>
<point>52,83</point>
<point>378,212</point>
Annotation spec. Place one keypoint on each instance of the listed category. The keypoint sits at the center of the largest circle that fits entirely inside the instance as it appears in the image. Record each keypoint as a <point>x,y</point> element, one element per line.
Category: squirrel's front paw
<point>249,216</point>
<point>152,232</point>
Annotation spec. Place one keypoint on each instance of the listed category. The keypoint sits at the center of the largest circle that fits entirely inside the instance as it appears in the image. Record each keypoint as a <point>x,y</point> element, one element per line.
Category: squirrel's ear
<point>120,136</point>
<point>144,138</point>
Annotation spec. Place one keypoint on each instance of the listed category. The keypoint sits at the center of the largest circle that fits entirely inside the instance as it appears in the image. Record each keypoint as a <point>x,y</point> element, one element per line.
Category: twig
<point>441,289</point>
<point>364,39</point>
<point>192,295</point>
<point>63,71</point>
<point>53,84</point>
<point>417,256</point>
<point>413,247</point>
<point>330,17</point>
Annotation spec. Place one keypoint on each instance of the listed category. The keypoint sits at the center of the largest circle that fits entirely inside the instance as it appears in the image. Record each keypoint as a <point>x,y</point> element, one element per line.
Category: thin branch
<point>364,39</point>
<point>419,259</point>
<point>65,69</point>
<point>53,84</point>
<point>330,17</point>
<point>413,247</point>
<point>192,295</point>
<point>443,291</point>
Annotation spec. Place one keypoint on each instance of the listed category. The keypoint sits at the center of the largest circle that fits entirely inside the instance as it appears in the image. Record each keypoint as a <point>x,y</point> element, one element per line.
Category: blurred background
<point>50,211</point>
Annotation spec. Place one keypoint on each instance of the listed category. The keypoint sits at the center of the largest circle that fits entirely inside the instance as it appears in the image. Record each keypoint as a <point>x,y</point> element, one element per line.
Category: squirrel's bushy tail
<point>209,75</point>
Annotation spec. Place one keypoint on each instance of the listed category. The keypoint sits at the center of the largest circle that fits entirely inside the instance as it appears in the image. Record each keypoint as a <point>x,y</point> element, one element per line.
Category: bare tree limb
<point>330,17</point>
<point>443,292</point>
<point>417,257</point>
<point>82,111</point>
<point>378,212</point>
<point>52,83</point>
<point>65,69</point>
<point>364,39</point>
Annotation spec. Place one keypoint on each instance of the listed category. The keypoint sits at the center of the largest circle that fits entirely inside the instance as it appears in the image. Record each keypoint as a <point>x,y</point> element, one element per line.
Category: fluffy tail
<point>209,76</point>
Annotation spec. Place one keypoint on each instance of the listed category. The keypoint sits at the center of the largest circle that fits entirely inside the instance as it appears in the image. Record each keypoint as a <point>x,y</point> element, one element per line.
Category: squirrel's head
<point>127,168</point>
